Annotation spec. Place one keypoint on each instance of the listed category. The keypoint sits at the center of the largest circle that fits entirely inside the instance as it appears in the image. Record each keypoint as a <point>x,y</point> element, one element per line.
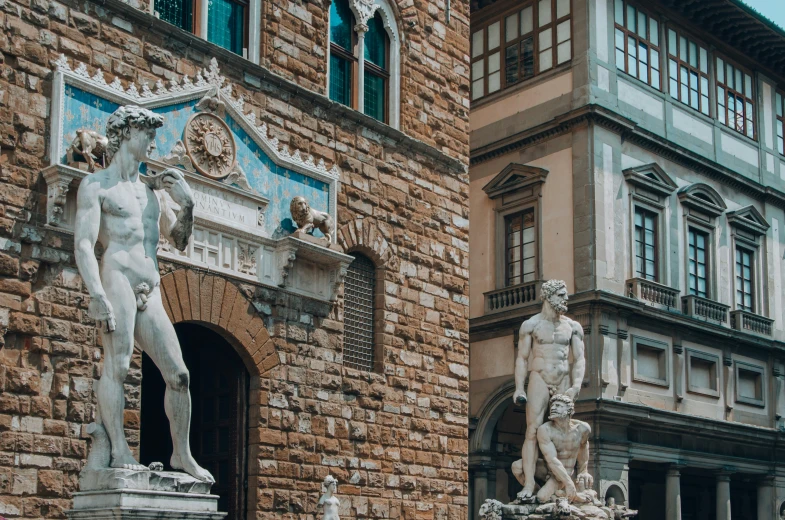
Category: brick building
<point>634,149</point>
<point>305,358</point>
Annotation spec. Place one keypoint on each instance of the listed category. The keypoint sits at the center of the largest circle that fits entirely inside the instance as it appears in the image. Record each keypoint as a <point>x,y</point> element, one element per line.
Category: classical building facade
<point>635,150</point>
<point>307,356</point>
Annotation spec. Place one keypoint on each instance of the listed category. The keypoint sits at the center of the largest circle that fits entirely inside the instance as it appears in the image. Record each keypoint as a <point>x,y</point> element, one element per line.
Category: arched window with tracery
<point>359,310</point>
<point>364,63</point>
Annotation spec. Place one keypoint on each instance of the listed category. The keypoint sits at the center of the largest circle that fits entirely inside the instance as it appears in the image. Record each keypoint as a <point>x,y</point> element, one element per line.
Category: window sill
<point>522,85</point>
<point>706,392</point>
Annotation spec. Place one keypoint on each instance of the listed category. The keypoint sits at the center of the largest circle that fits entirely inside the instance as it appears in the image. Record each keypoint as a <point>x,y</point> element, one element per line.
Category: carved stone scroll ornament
<point>286,258</point>
<point>308,219</point>
<point>178,156</point>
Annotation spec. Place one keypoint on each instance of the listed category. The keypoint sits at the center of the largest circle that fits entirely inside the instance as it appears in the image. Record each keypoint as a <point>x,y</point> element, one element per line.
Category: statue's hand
<point>175,185</point>
<point>519,398</point>
<point>586,479</point>
<point>571,492</point>
<point>101,311</point>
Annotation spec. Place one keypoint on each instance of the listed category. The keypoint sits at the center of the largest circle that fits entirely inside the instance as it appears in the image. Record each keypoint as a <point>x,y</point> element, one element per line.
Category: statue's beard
<point>556,415</point>
<point>558,305</point>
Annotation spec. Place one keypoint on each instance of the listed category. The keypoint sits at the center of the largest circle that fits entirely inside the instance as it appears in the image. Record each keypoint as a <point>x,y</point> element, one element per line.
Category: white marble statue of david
<point>121,212</point>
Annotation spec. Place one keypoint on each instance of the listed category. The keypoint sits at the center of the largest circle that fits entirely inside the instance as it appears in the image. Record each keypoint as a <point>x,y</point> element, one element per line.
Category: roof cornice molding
<point>629,131</point>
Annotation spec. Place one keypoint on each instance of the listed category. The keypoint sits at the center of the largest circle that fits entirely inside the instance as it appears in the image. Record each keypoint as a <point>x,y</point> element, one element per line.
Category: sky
<point>774,10</point>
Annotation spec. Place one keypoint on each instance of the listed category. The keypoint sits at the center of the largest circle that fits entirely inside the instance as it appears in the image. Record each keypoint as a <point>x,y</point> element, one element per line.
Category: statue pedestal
<point>121,494</point>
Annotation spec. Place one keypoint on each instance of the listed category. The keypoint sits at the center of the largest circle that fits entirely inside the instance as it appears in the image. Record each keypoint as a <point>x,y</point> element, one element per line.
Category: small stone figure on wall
<point>328,502</point>
<point>308,219</point>
<point>87,147</point>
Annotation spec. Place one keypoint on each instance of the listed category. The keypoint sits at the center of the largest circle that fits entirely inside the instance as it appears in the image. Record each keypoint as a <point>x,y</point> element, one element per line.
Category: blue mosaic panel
<point>85,110</point>
<point>276,183</point>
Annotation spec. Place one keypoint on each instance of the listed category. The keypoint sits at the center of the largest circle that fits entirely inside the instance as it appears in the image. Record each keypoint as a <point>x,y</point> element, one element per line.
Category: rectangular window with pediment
<point>521,247</point>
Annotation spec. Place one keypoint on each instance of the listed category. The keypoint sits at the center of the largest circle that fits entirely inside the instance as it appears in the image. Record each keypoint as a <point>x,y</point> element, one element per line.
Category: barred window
<point>735,99</point>
<point>780,122</point>
<point>637,43</point>
<point>358,335</point>
<point>532,38</point>
<point>688,70</point>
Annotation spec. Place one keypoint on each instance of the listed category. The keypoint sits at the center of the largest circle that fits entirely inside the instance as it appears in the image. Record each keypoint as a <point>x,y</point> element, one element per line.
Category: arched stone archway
<point>365,236</point>
<point>193,296</point>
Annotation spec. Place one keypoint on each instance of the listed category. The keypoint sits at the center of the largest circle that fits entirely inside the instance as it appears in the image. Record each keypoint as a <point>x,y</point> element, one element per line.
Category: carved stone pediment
<point>749,219</point>
<point>703,198</point>
<point>650,177</point>
<point>515,177</point>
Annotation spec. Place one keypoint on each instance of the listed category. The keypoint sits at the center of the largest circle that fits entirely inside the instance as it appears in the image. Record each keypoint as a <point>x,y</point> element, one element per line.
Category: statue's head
<point>611,501</point>
<point>562,406</point>
<point>554,292</point>
<point>135,126</point>
<point>330,484</point>
<point>299,208</point>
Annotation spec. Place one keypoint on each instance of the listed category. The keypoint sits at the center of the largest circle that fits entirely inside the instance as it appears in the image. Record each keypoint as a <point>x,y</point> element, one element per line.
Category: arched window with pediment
<point>364,62</point>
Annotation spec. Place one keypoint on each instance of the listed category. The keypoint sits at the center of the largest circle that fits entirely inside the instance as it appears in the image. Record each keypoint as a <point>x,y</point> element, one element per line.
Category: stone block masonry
<point>395,438</point>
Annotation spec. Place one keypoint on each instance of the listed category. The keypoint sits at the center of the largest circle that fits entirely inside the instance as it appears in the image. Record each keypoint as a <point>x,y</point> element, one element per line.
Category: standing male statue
<point>123,213</point>
<point>550,353</point>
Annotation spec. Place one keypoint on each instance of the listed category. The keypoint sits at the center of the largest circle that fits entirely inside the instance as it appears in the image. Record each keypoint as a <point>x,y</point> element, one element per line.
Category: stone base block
<point>143,480</point>
<point>135,504</point>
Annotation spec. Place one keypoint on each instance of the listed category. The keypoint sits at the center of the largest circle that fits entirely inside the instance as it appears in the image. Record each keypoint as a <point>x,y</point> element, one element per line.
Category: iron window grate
<point>358,314</point>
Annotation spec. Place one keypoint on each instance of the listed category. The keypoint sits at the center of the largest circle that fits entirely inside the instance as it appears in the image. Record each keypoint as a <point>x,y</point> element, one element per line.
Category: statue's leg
<point>118,348</point>
<point>156,336</point>
<point>548,489</point>
<point>536,406</point>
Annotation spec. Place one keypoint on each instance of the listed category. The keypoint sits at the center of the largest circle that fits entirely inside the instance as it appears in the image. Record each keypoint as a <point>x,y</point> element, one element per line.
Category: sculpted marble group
<point>125,213</point>
<point>555,452</point>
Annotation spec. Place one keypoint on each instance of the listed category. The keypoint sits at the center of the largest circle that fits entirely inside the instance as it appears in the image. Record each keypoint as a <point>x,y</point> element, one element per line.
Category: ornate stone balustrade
<point>512,297</point>
<point>653,293</point>
<point>746,321</point>
<point>703,308</point>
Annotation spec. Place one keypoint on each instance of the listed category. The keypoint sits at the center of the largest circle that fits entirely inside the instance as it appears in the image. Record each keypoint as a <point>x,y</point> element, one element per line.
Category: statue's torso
<point>550,353</point>
<point>567,443</point>
<point>129,231</point>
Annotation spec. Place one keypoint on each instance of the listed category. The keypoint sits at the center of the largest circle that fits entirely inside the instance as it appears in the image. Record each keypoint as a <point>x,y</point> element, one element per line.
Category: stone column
<point>361,29</point>
<point>479,491</point>
<point>767,507</point>
<point>723,496</point>
<point>673,494</point>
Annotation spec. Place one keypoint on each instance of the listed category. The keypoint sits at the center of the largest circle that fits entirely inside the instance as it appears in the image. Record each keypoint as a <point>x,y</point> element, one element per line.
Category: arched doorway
<point>219,396</point>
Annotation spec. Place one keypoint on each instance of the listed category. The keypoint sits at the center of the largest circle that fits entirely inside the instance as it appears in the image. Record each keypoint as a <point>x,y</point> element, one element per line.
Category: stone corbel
<point>58,180</point>
<point>678,371</point>
<point>286,257</point>
<point>337,276</point>
<point>727,365</point>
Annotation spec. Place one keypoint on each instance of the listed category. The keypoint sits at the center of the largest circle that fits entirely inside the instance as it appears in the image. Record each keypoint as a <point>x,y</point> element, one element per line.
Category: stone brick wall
<point>396,439</point>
